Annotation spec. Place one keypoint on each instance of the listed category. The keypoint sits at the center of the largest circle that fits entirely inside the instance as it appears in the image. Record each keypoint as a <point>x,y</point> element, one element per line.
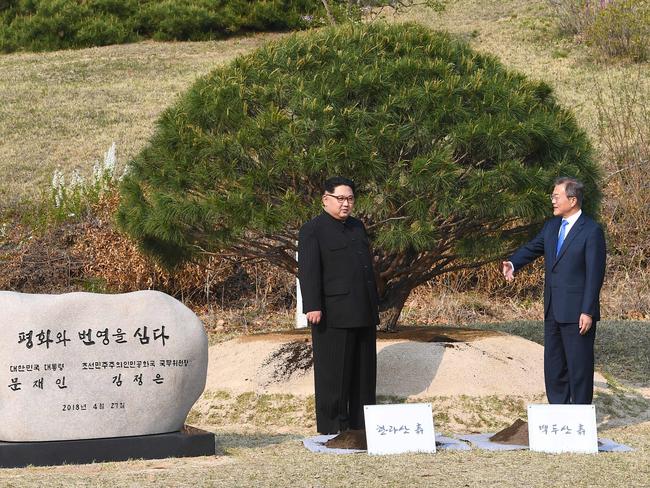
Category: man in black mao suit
<point>573,246</point>
<point>340,299</point>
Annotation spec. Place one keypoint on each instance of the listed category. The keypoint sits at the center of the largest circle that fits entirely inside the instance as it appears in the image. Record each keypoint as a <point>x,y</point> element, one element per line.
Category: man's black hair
<point>331,183</point>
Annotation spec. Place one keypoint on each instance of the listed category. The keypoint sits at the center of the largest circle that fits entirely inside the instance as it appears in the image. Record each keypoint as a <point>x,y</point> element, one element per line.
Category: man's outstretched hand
<point>508,271</point>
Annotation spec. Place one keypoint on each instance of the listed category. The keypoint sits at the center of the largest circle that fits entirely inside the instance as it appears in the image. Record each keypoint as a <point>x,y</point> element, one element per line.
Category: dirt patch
<point>516,434</point>
<point>415,334</point>
<point>290,358</point>
<point>438,334</point>
<point>349,439</point>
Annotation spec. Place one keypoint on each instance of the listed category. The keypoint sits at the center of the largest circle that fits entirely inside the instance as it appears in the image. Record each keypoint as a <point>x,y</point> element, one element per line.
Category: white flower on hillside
<point>97,172</point>
<point>110,161</point>
<point>58,187</point>
<point>127,169</point>
<point>76,181</point>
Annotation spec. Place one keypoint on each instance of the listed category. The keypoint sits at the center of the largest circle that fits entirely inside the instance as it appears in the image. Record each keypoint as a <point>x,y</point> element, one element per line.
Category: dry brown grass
<point>268,458</point>
<point>89,254</point>
<point>65,108</point>
<point>523,35</point>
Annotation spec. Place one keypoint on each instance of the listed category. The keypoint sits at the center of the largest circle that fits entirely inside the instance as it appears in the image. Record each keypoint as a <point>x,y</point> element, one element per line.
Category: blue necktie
<point>560,238</point>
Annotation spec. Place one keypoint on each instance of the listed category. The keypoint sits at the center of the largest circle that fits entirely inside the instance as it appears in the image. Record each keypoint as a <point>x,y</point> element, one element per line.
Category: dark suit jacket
<point>335,272</point>
<point>573,279</point>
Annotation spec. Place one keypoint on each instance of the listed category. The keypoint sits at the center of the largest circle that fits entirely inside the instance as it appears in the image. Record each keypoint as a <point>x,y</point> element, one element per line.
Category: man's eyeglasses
<point>341,198</point>
<point>555,198</point>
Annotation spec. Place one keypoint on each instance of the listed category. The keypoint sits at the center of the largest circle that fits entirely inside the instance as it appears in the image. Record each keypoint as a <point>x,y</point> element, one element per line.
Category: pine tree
<point>454,155</point>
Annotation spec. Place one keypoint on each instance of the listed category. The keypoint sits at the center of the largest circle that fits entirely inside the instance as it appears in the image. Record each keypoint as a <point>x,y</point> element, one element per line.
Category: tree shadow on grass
<point>231,440</point>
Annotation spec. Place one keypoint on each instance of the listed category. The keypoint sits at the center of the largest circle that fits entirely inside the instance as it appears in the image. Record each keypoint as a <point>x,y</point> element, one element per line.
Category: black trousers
<point>568,362</point>
<point>345,375</point>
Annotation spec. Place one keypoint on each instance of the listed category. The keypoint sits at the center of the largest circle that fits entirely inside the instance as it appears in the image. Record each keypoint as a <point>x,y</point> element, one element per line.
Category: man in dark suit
<point>573,246</point>
<point>340,299</point>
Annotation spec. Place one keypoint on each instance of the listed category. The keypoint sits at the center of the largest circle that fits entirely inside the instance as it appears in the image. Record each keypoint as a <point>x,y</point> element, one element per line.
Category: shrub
<point>41,25</point>
<point>622,29</point>
<point>76,196</point>
<point>624,131</point>
<point>616,28</point>
<point>103,31</point>
<point>575,16</point>
<point>171,20</point>
<point>453,154</point>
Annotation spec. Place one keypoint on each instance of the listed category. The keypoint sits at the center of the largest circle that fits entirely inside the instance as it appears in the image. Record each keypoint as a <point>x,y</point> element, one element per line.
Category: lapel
<point>555,230</point>
<point>575,230</point>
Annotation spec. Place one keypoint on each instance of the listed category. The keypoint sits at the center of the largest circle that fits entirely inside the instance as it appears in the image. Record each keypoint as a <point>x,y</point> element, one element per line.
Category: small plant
<point>618,28</point>
<point>575,16</point>
<point>622,29</point>
<point>74,198</point>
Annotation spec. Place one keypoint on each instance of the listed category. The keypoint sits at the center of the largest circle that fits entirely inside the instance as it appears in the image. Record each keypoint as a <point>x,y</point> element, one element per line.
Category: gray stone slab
<point>86,366</point>
<point>189,442</point>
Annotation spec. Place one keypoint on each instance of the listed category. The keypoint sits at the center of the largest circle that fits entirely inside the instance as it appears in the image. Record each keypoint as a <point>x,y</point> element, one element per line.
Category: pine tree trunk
<point>390,307</point>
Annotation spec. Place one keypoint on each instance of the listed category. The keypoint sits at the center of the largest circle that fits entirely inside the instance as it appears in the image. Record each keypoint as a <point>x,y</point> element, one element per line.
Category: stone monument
<point>99,377</point>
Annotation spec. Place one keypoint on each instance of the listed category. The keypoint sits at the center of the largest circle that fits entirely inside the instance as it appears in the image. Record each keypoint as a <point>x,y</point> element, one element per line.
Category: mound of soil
<point>349,439</point>
<point>516,434</point>
<point>424,363</point>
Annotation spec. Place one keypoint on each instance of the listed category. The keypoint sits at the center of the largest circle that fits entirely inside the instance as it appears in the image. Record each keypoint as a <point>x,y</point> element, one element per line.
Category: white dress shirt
<point>571,220</point>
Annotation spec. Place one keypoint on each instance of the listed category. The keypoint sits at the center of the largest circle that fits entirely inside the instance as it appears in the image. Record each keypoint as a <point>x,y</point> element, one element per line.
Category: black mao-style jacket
<point>335,272</point>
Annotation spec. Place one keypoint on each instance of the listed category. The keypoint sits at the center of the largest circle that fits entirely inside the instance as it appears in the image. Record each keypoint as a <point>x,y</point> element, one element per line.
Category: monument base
<point>189,442</point>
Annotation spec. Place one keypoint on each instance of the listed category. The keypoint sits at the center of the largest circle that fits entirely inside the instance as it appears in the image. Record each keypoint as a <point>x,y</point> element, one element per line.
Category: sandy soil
<point>415,363</point>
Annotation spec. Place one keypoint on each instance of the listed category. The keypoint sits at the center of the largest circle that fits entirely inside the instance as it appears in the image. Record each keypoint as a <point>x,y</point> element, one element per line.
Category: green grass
<point>621,347</point>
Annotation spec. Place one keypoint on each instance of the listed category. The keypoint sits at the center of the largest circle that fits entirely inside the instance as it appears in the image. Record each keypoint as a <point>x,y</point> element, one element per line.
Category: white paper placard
<point>394,429</point>
<point>301,318</point>
<point>562,428</point>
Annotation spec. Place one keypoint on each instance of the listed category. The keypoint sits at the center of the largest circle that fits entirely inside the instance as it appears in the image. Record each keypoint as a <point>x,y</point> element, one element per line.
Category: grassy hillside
<point>523,34</point>
<point>63,109</point>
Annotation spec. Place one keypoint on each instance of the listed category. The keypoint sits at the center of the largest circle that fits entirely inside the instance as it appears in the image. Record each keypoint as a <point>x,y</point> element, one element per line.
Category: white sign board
<point>562,428</point>
<point>395,429</point>
<point>301,318</point>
